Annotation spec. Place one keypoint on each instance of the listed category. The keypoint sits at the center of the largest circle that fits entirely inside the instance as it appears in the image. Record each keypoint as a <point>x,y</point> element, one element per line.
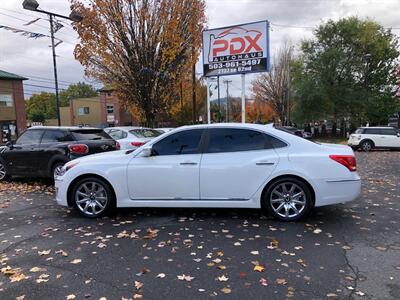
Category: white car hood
<point>101,157</point>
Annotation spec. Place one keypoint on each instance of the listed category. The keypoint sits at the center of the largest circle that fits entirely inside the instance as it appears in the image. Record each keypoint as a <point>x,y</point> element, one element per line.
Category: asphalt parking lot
<point>340,252</point>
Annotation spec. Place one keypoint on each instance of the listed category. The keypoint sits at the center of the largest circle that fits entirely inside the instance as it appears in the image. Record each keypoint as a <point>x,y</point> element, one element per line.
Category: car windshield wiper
<point>130,151</point>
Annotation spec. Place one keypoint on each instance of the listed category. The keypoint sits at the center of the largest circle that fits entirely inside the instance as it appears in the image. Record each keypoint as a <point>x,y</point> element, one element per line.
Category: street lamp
<point>74,17</point>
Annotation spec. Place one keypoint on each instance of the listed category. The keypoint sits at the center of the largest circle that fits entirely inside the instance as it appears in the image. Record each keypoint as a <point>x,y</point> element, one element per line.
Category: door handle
<point>188,163</point>
<point>264,163</point>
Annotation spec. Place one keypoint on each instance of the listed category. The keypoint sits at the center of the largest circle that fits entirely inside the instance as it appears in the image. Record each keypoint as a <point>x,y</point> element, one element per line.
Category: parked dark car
<point>42,151</point>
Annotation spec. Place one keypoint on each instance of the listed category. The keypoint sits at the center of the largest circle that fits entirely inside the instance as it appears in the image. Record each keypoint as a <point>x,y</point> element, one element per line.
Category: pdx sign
<point>237,49</point>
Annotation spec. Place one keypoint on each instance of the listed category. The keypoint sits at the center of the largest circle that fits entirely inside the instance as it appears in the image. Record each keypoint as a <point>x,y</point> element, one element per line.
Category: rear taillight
<point>137,144</point>
<point>117,146</point>
<point>78,148</point>
<point>349,161</point>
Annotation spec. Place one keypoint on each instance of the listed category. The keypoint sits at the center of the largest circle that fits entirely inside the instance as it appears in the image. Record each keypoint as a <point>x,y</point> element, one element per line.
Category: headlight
<point>67,167</point>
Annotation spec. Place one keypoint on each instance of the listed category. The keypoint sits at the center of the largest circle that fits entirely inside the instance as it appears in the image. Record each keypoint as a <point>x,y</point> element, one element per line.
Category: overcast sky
<point>290,21</point>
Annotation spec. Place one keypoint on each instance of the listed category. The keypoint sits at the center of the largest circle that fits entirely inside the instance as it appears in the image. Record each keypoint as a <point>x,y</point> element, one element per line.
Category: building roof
<point>10,76</point>
<point>106,88</point>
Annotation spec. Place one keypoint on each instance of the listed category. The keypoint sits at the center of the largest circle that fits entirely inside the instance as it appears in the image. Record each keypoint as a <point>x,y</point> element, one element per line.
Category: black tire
<point>3,171</point>
<point>367,145</point>
<point>56,168</point>
<point>101,193</point>
<point>300,199</point>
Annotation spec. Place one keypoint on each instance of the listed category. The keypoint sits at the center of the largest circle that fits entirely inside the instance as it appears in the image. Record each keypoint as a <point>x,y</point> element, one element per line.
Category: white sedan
<point>218,165</point>
<point>130,137</point>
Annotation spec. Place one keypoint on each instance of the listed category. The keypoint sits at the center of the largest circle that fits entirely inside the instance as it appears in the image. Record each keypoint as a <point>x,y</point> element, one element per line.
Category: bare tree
<point>274,87</point>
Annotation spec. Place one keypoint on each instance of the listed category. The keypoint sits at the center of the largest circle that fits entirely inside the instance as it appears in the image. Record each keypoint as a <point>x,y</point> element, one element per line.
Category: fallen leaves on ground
<point>185,277</point>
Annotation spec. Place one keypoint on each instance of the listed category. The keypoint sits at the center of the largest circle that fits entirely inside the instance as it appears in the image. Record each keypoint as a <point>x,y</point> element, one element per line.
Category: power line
<point>24,20</point>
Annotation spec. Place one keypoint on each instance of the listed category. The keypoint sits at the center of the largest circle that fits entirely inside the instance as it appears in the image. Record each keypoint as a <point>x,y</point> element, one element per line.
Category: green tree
<point>345,71</point>
<point>78,90</point>
<point>41,106</point>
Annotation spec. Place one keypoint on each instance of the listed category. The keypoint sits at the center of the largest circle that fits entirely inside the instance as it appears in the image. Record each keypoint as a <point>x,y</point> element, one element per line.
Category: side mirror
<point>146,151</point>
<point>9,144</point>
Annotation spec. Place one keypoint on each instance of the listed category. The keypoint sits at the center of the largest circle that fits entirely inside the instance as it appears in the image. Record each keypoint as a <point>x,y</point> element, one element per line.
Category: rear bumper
<point>337,191</point>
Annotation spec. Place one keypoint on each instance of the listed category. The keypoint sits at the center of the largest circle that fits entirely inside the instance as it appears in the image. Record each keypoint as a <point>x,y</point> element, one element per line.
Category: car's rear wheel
<point>288,199</point>
<point>57,169</point>
<point>92,197</point>
<point>367,146</point>
<point>3,171</point>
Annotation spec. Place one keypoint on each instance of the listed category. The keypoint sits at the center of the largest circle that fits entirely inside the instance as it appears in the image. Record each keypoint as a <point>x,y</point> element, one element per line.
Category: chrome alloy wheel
<point>288,200</point>
<point>91,198</point>
<point>57,171</point>
<point>2,171</point>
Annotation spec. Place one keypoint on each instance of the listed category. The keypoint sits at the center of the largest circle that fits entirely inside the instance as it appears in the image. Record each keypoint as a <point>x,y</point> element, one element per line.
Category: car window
<point>145,133</point>
<point>54,136</point>
<point>276,143</point>
<point>372,131</point>
<point>233,140</point>
<point>116,134</point>
<point>388,131</point>
<point>30,137</point>
<point>89,134</point>
<point>184,142</point>
<point>359,131</point>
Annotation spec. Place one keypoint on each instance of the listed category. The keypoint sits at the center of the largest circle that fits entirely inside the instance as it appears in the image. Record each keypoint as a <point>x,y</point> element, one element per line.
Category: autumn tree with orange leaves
<point>142,48</point>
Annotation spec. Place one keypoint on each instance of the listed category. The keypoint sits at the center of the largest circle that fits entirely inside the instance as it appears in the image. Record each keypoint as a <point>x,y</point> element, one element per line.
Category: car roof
<point>63,128</point>
<point>127,127</point>
<point>230,125</point>
<point>377,127</point>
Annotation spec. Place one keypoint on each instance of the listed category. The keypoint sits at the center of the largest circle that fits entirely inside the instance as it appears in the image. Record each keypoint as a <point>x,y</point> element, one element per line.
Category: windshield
<point>145,133</point>
<point>90,134</point>
<point>358,131</point>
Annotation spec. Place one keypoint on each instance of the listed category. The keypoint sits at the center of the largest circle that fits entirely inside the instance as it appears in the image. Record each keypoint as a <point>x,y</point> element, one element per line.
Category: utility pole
<point>53,48</point>
<point>227,82</point>
<point>288,97</point>
<point>75,17</point>
<point>194,93</point>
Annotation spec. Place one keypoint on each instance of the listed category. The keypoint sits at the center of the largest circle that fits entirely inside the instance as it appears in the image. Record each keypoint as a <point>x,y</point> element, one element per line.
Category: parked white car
<point>131,137</point>
<point>218,165</point>
<point>368,138</point>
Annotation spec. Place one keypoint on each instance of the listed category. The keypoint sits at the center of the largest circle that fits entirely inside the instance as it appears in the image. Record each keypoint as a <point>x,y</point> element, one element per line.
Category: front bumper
<point>61,191</point>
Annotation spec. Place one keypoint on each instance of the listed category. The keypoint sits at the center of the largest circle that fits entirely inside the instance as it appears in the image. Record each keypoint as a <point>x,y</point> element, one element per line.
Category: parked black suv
<point>42,151</point>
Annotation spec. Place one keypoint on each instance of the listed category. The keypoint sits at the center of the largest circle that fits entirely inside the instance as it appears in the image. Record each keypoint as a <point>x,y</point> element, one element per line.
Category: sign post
<point>243,99</point>
<point>208,101</point>
<point>237,49</point>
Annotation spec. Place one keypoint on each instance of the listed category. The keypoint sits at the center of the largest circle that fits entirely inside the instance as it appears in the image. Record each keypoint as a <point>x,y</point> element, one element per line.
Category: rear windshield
<point>90,134</point>
<point>145,133</point>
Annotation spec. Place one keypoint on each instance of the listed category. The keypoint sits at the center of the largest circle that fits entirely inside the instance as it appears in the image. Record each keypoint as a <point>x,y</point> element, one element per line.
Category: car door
<point>23,158</point>
<point>375,135</point>
<point>171,172</point>
<point>391,139</point>
<point>50,150</point>
<point>235,163</point>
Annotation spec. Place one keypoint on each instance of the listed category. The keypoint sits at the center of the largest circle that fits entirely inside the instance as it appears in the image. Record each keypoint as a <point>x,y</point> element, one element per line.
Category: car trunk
<point>96,139</point>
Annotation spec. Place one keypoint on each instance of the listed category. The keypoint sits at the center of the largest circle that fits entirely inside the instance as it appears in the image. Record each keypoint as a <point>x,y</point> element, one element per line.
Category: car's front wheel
<point>288,199</point>
<point>92,197</point>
